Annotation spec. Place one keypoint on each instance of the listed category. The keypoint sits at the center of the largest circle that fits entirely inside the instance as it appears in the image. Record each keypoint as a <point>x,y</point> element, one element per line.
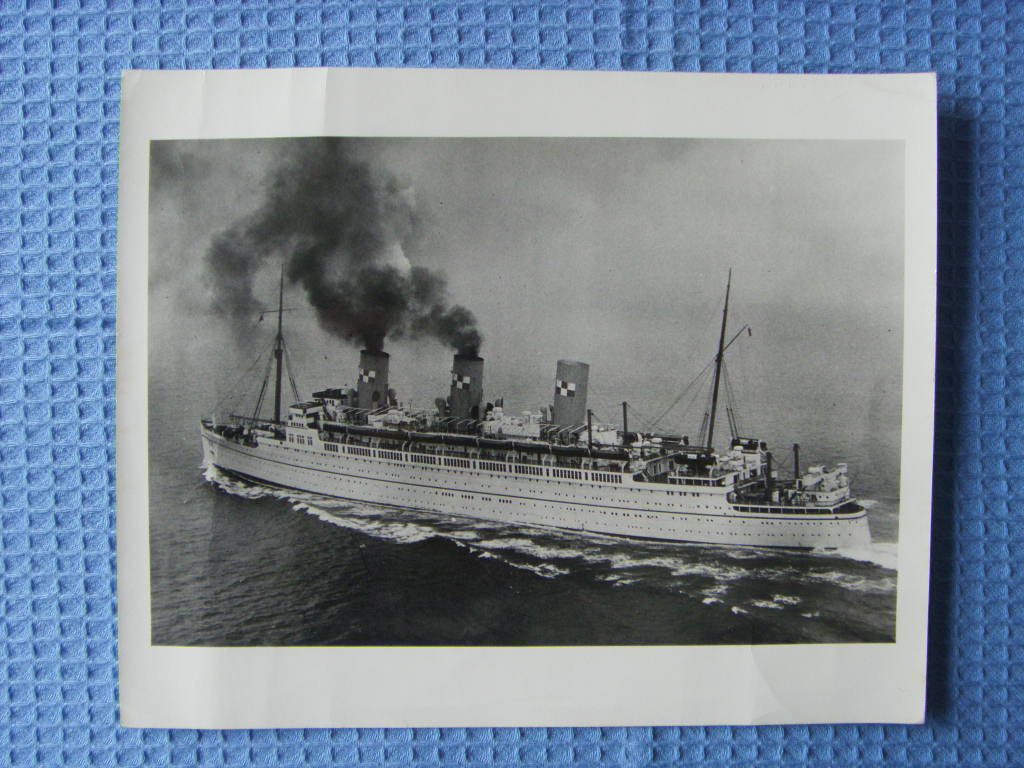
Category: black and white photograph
<point>587,398</point>
<point>538,391</point>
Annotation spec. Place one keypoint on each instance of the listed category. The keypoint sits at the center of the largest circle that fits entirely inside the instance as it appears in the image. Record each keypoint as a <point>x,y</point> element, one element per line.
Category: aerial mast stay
<point>718,366</point>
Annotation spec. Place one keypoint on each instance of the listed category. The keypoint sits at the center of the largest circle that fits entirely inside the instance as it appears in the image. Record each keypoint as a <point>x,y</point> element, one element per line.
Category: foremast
<point>278,360</point>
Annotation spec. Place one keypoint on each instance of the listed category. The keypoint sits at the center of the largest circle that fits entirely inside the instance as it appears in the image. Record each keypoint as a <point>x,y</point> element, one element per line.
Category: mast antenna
<point>279,349</point>
<point>718,365</point>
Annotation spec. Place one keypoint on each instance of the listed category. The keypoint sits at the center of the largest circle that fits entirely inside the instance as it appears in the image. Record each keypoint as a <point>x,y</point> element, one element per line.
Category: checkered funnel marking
<point>565,388</point>
<point>460,382</point>
<point>367,377</point>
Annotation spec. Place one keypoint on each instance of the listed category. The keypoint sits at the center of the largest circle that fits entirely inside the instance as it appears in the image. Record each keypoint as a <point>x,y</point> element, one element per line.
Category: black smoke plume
<point>340,227</point>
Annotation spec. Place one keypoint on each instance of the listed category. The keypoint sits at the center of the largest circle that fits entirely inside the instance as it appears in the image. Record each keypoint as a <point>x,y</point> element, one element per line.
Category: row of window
<point>694,481</point>
<point>519,468</point>
<point>491,466</point>
<point>523,469</point>
<point>572,474</point>
<point>788,510</point>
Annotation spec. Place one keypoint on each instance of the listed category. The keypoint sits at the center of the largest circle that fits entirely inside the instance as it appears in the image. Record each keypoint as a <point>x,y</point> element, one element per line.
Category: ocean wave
<point>232,486</point>
<point>744,554</point>
<point>786,599</point>
<point>716,591</point>
<point>851,581</point>
<point>527,546</point>
<point>402,533</point>
<point>778,602</point>
<point>884,554</point>
<point>767,604</point>
<point>676,566</point>
<point>606,553</point>
<point>544,570</point>
<point>614,578</point>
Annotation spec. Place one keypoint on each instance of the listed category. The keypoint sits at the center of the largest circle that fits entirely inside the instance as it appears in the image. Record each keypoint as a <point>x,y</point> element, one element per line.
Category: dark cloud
<point>340,227</point>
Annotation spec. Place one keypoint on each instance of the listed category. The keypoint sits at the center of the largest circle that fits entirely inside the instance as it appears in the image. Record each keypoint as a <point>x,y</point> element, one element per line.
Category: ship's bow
<point>209,446</point>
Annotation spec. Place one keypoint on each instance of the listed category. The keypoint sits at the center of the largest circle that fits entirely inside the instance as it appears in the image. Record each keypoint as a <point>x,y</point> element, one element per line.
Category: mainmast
<point>279,351</point>
<point>718,366</point>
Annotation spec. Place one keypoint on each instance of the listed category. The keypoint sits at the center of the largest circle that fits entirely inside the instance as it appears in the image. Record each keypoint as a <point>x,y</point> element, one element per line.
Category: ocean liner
<point>556,467</point>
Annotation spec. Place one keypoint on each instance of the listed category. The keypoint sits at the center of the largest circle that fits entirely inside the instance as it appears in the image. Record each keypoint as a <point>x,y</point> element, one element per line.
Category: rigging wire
<point>708,322</point>
<point>640,414</point>
<point>237,383</point>
<point>232,391</point>
<point>651,425</point>
<point>707,413</point>
<point>288,368</point>
<point>681,395</point>
<point>263,390</point>
<point>730,398</point>
<point>709,406</point>
<point>703,427</point>
<point>728,403</point>
<point>743,391</point>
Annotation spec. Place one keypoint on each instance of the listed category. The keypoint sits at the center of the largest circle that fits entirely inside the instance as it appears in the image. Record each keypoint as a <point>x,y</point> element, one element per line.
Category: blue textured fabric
<point>59,72</point>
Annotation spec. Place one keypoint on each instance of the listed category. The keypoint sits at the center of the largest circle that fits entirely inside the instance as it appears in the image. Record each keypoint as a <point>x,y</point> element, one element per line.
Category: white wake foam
<point>786,599</point>
<point>851,581</point>
<point>403,533</point>
<point>879,553</point>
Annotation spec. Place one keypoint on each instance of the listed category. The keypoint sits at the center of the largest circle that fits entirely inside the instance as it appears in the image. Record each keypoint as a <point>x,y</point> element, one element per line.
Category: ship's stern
<point>859,531</point>
<point>849,531</point>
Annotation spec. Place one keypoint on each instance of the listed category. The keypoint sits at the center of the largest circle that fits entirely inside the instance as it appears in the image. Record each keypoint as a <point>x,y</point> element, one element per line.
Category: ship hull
<point>626,508</point>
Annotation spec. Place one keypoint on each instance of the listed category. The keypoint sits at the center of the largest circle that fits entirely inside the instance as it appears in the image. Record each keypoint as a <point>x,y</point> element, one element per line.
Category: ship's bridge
<point>305,414</point>
<point>335,399</point>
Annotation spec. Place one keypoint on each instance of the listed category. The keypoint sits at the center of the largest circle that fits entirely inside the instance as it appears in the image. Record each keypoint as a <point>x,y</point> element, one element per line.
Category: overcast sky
<point>606,250</point>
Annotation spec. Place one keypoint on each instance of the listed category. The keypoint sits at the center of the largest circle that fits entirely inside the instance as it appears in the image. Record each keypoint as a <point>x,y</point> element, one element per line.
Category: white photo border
<point>187,687</point>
